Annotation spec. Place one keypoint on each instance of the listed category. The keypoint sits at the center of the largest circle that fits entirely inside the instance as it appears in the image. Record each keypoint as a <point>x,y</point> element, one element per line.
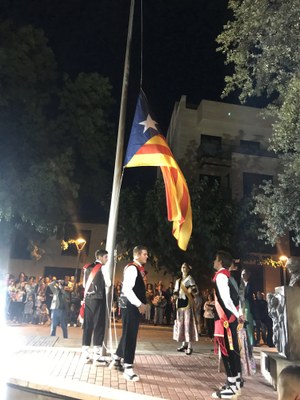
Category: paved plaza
<point>53,365</point>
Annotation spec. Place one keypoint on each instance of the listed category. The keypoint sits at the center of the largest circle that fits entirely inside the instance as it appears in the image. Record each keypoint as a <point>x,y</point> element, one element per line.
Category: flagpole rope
<point>142,40</point>
<point>109,306</point>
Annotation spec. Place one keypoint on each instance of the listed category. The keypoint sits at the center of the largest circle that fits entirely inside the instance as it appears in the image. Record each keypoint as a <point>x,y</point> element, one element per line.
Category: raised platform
<point>271,364</point>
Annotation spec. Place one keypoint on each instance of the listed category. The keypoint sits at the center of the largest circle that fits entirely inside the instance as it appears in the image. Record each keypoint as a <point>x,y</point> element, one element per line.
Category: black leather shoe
<point>189,352</point>
<point>182,348</point>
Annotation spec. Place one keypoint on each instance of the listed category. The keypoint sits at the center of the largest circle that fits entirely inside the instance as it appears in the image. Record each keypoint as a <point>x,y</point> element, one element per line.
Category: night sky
<point>179,52</point>
<point>179,45</point>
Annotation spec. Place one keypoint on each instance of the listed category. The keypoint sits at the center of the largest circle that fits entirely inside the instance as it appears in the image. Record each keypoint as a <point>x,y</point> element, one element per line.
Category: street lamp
<point>80,243</point>
<point>283,259</point>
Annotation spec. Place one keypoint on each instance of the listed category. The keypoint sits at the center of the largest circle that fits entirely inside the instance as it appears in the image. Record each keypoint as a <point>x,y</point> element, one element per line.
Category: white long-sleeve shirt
<point>130,275</point>
<point>223,287</point>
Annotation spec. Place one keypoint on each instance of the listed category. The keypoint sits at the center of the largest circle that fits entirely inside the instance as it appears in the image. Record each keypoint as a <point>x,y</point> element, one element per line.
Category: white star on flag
<point>148,123</point>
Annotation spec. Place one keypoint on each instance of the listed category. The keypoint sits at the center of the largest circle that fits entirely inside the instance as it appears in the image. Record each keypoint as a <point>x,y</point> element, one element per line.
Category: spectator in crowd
<point>28,309</point>
<point>209,315</point>
<point>59,307</point>
<point>198,305</point>
<point>36,317</point>
<point>44,314</point>
<point>76,296</point>
<point>248,306</point>
<point>185,329</point>
<point>17,299</point>
<point>31,287</point>
<point>73,315</point>
<point>159,302</point>
<point>263,323</point>
<point>48,294</point>
<point>169,312</point>
<point>204,295</point>
<point>149,300</point>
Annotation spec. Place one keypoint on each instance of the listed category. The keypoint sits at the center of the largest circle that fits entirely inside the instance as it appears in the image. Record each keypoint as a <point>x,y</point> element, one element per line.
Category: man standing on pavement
<point>248,307</point>
<point>94,283</point>
<point>133,304</point>
<point>227,317</point>
<point>59,307</point>
<point>169,307</point>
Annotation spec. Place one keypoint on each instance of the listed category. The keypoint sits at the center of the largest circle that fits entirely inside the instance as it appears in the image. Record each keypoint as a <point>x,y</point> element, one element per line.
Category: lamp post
<point>80,243</point>
<point>283,259</point>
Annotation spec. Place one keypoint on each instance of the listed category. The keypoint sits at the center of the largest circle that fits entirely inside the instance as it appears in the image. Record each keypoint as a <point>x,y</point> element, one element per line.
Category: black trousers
<point>232,362</point>
<point>130,327</point>
<point>210,325</point>
<point>94,321</point>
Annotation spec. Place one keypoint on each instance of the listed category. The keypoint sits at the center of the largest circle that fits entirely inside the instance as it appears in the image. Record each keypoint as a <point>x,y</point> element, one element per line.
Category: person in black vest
<point>95,283</point>
<point>133,304</point>
<point>227,317</point>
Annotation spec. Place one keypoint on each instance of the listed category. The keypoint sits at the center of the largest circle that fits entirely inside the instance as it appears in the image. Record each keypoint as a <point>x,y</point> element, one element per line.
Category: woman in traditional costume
<point>185,329</point>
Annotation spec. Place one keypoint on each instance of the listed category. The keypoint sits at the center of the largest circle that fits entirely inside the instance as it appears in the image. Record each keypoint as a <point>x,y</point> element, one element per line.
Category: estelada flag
<point>147,147</point>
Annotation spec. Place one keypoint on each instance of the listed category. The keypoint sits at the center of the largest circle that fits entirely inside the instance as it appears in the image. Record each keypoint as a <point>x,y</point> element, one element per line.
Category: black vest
<point>97,286</point>
<point>139,287</point>
<point>234,297</point>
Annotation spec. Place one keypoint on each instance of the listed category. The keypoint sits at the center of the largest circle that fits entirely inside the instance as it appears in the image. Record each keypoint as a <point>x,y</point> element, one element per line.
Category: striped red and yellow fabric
<point>147,147</point>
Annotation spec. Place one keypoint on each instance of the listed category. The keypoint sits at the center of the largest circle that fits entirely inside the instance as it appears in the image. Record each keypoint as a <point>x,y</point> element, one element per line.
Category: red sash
<point>92,275</point>
<point>223,322</point>
<point>141,268</point>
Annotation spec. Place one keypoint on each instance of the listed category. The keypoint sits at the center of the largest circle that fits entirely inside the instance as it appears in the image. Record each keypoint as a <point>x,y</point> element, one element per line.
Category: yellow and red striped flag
<point>147,147</point>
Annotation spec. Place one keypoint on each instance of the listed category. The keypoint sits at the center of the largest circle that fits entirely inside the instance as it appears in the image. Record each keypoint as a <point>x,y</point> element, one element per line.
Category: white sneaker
<point>131,377</point>
<point>116,363</point>
<point>226,392</point>
<point>86,356</point>
<point>100,361</point>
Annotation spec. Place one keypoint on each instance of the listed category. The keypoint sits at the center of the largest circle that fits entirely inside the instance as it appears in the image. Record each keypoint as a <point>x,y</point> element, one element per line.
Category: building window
<point>251,180</point>
<point>210,179</point>
<point>249,147</point>
<point>210,145</point>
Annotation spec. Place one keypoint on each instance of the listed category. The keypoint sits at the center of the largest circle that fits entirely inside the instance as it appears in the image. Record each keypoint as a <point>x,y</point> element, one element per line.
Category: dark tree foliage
<point>56,135</point>
<point>218,222</point>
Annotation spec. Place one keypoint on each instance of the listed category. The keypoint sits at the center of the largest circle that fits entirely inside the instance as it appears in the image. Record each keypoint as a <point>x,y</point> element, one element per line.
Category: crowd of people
<point>29,299</point>
<point>218,313</point>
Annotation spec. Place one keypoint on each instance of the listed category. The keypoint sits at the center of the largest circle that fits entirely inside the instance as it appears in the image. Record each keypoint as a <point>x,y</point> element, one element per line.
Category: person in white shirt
<point>133,304</point>
<point>228,315</point>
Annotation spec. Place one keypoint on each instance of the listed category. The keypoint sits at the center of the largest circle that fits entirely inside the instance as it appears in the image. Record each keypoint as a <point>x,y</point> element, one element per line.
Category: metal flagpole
<point>117,179</point>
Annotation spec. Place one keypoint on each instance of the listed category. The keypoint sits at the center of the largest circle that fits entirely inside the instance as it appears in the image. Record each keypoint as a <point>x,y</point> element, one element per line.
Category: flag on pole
<point>147,147</point>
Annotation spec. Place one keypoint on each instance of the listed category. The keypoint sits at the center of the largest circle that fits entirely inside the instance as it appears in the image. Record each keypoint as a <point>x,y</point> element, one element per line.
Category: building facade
<point>232,146</point>
<point>49,258</point>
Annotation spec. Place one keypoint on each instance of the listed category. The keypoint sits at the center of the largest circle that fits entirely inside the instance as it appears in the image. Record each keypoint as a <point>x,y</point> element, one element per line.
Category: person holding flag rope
<point>133,304</point>
<point>95,283</point>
